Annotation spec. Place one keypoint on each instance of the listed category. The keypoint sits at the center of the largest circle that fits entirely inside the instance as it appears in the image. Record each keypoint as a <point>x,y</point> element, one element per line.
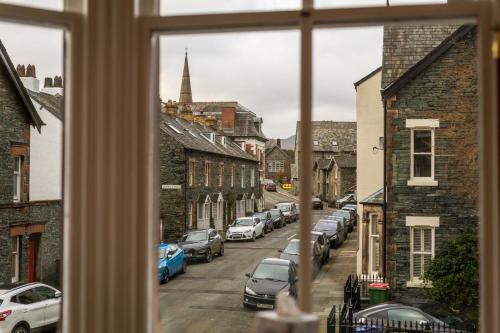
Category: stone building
<point>334,177</point>
<point>206,179</point>
<point>30,231</point>
<point>329,138</point>
<point>236,121</point>
<point>432,150</point>
<point>278,163</point>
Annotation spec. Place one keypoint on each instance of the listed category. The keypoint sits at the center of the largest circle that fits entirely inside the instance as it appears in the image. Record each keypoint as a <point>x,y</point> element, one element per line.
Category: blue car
<point>171,261</point>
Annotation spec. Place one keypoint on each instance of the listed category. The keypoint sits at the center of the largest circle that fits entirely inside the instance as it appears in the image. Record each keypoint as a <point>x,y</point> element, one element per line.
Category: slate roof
<point>194,136</point>
<point>323,164</point>
<point>286,154</point>
<point>326,132</point>
<point>376,198</point>
<point>23,94</point>
<point>426,61</point>
<point>52,103</point>
<point>345,161</point>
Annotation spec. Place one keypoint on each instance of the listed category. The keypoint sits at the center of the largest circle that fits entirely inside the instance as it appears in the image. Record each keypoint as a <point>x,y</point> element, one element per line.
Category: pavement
<point>208,298</point>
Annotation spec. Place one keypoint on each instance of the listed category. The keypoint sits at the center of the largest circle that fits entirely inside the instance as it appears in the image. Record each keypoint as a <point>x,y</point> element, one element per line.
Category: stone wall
<point>448,91</point>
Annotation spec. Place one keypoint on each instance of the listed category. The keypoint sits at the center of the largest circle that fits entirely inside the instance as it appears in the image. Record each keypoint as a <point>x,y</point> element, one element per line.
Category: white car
<point>29,307</point>
<point>245,228</point>
<point>289,211</point>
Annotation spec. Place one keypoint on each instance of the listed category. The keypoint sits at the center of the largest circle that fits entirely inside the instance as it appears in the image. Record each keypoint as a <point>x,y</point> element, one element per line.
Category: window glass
<point>378,315</point>
<point>405,315</point>
<point>26,297</point>
<point>273,272</point>
<point>422,141</point>
<point>45,293</point>
<point>422,165</point>
<point>45,4</point>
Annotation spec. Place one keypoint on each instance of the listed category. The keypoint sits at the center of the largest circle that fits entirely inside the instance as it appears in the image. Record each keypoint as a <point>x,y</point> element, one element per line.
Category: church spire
<point>186,95</point>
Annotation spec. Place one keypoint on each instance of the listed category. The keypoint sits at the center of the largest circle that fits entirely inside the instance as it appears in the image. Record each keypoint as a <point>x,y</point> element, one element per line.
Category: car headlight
<point>250,291</point>
<point>228,232</point>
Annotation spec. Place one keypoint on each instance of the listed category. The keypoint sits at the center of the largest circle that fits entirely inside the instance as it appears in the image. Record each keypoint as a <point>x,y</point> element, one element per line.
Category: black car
<point>269,278</point>
<point>277,217</point>
<point>291,252</point>
<point>266,219</point>
<point>317,203</point>
<point>350,217</point>
<point>333,231</point>
<point>202,244</point>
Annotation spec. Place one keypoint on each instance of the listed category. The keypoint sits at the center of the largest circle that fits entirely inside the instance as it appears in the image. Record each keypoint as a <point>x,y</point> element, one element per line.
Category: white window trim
<point>191,170</point>
<point>207,173</point>
<point>425,125</point>
<point>15,259</point>
<point>243,168</point>
<point>370,245</point>
<point>18,176</point>
<point>252,177</point>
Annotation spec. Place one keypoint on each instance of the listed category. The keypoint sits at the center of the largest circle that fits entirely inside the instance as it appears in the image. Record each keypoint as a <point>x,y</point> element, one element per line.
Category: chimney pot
<point>58,82</point>
<point>200,119</point>
<point>21,70</point>
<point>31,71</point>
<point>186,113</point>
<point>211,122</point>
<point>171,108</point>
<point>48,82</point>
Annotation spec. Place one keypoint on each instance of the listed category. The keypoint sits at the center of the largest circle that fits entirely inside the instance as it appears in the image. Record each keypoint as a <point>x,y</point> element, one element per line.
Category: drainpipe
<point>384,224</point>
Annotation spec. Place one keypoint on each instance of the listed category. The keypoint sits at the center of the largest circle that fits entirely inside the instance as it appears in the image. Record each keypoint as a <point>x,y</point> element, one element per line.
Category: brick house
<point>206,179</point>
<point>432,178</point>
<point>278,163</point>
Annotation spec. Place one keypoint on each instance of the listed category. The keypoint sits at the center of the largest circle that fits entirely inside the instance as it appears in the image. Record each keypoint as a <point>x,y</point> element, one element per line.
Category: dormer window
<point>223,140</point>
<point>176,130</point>
<point>210,137</point>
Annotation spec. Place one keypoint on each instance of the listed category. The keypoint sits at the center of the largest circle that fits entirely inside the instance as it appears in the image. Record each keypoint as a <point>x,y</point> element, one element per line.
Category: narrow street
<point>208,298</point>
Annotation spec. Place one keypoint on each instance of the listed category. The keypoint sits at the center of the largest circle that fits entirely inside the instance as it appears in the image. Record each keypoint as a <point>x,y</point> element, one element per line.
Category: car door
<point>52,304</point>
<point>213,241</point>
<point>259,228</point>
<point>173,258</point>
<point>293,279</point>
<point>33,309</point>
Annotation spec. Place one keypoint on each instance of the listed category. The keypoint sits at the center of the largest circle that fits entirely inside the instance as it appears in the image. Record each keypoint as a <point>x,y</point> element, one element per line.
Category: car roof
<point>197,230</point>
<point>276,261</point>
<point>319,233</point>
<point>8,288</point>
<point>384,306</point>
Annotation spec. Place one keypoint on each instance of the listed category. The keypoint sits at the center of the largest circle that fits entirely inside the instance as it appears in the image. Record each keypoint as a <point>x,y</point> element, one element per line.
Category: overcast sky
<point>259,70</point>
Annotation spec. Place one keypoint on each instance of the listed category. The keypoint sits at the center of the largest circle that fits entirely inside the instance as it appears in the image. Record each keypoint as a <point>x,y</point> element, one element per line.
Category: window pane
<point>182,7</point>
<point>372,3</point>
<point>427,233</point>
<point>422,141</point>
<point>417,239</point>
<point>44,4</point>
<point>417,265</point>
<point>422,165</point>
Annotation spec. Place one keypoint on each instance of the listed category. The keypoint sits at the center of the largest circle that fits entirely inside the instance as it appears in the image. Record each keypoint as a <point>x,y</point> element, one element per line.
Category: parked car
<point>297,210</point>
<point>324,244</point>
<point>291,252</point>
<point>349,216</point>
<point>28,307</point>
<point>245,228</point>
<point>277,217</point>
<point>270,186</point>
<point>202,244</point>
<point>266,219</point>
<point>352,206</point>
<point>348,199</point>
<point>317,203</point>
<point>391,313</point>
<point>289,211</point>
<point>171,261</point>
<point>353,209</point>
<point>342,220</point>
<point>333,230</point>
<point>270,277</point>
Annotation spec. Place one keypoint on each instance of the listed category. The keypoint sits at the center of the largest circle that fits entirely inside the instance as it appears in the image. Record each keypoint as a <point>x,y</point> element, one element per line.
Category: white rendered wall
<point>46,158</point>
<point>370,163</point>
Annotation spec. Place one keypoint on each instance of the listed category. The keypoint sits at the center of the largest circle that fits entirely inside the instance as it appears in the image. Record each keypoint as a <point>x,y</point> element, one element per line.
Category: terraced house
<point>206,179</point>
<point>431,101</point>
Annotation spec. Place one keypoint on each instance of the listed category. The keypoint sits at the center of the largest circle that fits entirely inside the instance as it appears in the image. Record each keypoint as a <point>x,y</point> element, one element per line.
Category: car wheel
<point>165,277</point>
<point>21,329</point>
<point>184,267</point>
<point>208,256</point>
<point>221,252</point>
<point>253,237</point>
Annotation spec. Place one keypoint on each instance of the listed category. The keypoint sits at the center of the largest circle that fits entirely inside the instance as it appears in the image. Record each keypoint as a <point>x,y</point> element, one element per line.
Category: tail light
<point>4,314</point>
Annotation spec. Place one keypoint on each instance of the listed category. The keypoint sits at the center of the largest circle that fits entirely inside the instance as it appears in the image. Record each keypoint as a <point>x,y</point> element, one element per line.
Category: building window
<point>221,174</point>
<point>242,176</point>
<point>252,177</point>
<point>192,166</point>
<point>422,250</point>
<point>17,178</point>
<point>270,167</point>
<point>16,248</point>
<point>190,214</point>
<point>207,173</point>
<point>336,172</point>
<point>335,190</point>
<point>232,175</point>
<point>315,142</point>
<point>422,151</point>
<point>374,244</point>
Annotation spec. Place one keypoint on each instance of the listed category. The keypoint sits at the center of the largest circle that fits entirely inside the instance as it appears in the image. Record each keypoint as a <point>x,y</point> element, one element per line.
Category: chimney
<point>200,119</point>
<point>58,82</point>
<point>171,108</point>
<point>186,113</point>
<point>31,71</point>
<point>228,117</point>
<point>211,122</point>
<point>278,143</point>
<point>21,71</point>
<point>48,83</point>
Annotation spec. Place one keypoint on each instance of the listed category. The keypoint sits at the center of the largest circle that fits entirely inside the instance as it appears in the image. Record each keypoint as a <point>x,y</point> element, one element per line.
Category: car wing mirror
<point>248,275</point>
<point>280,250</point>
<point>58,294</point>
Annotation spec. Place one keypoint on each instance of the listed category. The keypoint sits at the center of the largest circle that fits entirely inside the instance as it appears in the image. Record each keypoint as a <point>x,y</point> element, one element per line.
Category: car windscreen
<point>292,248</point>
<point>342,213</point>
<point>326,226</point>
<point>243,222</point>
<point>271,272</point>
<point>195,236</point>
<point>275,212</point>
<point>284,207</point>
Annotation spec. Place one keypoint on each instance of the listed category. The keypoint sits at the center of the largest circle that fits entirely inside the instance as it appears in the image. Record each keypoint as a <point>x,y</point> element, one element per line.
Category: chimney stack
<point>186,113</point>
<point>31,71</point>
<point>58,82</point>
<point>200,119</point>
<point>48,83</point>
<point>171,108</point>
<point>21,70</point>
<point>278,143</point>
<point>211,122</point>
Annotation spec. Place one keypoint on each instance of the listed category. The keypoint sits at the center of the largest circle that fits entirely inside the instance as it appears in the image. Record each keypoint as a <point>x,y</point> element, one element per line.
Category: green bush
<point>454,273</point>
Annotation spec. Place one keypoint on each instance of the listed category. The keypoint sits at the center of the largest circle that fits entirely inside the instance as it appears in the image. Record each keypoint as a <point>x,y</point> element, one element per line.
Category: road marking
<point>291,236</point>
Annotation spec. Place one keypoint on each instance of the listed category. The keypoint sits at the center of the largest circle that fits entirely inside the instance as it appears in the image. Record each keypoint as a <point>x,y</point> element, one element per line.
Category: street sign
<point>170,187</point>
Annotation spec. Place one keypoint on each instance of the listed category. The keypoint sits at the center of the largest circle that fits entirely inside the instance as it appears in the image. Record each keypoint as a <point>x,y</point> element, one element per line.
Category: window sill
<point>418,182</point>
<point>418,284</point>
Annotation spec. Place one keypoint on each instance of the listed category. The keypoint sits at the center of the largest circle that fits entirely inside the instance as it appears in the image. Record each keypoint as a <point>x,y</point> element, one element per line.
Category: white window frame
<point>232,175</point>
<point>422,125</point>
<point>418,223</point>
<point>191,171</point>
<point>252,177</point>
<point>243,183</point>
<point>16,242</point>
<point>17,177</point>
<point>372,239</point>
<point>221,174</point>
<point>190,215</point>
<point>136,111</point>
<point>207,173</point>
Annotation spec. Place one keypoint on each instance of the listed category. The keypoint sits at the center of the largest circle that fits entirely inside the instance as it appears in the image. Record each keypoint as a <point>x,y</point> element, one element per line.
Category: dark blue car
<point>171,261</point>
<point>266,219</point>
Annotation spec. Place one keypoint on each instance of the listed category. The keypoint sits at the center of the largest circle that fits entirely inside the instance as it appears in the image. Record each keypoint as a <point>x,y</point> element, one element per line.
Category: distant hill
<point>286,144</point>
